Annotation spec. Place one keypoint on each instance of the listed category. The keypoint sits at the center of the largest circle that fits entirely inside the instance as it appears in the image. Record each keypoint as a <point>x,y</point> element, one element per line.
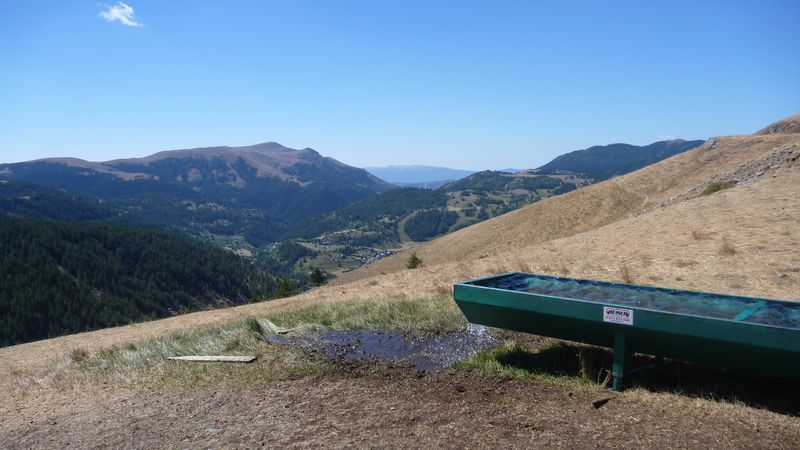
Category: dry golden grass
<point>590,208</point>
<point>787,125</point>
<point>726,247</point>
<point>625,273</point>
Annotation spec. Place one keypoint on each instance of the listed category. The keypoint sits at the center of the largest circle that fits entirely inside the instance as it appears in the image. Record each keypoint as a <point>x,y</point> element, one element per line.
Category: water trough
<point>756,335</point>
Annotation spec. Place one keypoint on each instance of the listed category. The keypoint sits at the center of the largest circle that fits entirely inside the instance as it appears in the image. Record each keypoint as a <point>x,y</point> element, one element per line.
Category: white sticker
<point>618,315</point>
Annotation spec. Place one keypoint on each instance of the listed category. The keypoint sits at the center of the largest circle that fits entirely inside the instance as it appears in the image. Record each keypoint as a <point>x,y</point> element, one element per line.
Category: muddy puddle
<point>427,354</point>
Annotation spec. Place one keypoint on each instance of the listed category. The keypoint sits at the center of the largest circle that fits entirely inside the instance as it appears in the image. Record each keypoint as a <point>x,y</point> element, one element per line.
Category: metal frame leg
<point>618,368</point>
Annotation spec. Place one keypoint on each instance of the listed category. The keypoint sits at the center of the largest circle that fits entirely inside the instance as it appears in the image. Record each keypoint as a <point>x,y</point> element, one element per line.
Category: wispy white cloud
<point>120,12</point>
<point>666,137</point>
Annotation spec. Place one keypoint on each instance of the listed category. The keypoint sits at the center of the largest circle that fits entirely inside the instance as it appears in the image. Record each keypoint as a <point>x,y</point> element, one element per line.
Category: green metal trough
<point>754,335</point>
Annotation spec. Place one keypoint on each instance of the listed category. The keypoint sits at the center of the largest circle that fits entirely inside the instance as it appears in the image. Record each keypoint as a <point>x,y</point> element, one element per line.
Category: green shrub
<point>285,289</point>
<point>317,276</point>
<point>413,261</point>
<point>717,186</point>
<point>79,355</point>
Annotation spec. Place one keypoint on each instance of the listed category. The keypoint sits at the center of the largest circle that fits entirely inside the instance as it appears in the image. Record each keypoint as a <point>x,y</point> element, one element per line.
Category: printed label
<point>618,315</point>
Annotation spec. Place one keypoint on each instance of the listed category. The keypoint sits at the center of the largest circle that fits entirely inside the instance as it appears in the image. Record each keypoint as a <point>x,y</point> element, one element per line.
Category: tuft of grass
<point>147,361</point>
<point>547,365</point>
<point>726,248</point>
<point>717,186</point>
<point>444,290</point>
<point>625,273</point>
<point>434,314</point>
<point>681,263</point>
<point>522,266</point>
<point>261,327</point>
<point>252,324</point>
<point>79,355</point>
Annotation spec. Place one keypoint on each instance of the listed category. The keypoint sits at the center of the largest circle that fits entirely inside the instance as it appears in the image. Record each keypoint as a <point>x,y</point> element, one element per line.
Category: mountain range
<point>605,161</point>
<point>287,210</point>
<point>248,198</point>
<point>240,194</point>
<point>597,163</point>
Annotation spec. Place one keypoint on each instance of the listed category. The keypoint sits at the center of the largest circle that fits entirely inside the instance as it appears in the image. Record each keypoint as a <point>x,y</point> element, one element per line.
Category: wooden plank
<point>239,359</point>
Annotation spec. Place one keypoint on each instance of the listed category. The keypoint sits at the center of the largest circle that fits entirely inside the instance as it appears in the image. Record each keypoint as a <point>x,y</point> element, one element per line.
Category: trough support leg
<point>619,360</point>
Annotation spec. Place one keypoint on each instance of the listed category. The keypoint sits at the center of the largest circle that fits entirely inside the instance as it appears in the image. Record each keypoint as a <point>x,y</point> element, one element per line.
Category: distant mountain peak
<point>309,154</point>
<point>268,159</point>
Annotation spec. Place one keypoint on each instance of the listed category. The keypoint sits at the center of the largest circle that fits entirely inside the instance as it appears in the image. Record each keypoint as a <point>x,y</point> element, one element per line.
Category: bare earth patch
<point>394,408</point>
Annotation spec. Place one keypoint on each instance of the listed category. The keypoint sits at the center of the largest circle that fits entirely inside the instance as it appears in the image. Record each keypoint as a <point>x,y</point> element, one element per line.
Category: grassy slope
<point>591,207</point>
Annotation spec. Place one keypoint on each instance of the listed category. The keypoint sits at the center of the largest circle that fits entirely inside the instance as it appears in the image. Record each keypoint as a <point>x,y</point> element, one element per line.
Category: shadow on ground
<point>659,375</point>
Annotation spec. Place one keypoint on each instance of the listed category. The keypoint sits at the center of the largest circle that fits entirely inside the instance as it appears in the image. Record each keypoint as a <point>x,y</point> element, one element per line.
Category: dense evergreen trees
<point>64,277</point>
<point>605,161</point>
<point>21,198</point>
<point>393,204</point>
<point>428,224</point>
<point>493,181</point>
<point>291,252</point>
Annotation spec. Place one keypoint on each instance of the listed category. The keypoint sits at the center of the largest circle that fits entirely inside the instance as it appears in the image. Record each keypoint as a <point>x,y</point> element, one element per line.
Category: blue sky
<point>476,85</point>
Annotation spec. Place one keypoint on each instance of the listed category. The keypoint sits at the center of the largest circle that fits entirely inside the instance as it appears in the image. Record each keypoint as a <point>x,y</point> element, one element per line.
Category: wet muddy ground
<point>424,354</point>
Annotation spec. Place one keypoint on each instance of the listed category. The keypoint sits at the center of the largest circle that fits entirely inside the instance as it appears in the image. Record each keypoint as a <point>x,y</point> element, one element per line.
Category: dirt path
<point>405,239</point>
<point>394,409</point>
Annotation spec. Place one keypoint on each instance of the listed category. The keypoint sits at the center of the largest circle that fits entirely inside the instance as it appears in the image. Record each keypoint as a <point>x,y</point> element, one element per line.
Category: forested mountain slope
<point>236,194</point>
<point>605,161</point>
<point>64,277</point>
<point>24,199</point>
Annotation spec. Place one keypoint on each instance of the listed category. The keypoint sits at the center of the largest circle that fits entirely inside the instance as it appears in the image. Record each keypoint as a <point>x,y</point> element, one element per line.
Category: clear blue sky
<point>462,84</point>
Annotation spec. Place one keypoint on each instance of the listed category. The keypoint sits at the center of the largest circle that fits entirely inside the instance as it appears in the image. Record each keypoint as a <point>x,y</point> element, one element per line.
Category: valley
<point>282,220</point>
<point>251,199</point>
<point>366,231</point>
